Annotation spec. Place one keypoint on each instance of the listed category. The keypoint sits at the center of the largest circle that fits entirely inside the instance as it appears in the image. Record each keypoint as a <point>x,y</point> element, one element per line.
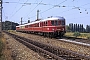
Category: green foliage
<point>67,28</point>
<point>7,25</point>
<point>1,47</point>
<point>88,37</point>
<point>2,58</point>
<point>76,34</point>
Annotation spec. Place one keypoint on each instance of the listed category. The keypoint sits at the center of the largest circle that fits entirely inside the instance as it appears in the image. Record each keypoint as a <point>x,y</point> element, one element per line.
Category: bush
<point>76,34</point>
<point>88,37</point>
<point>1,48</point>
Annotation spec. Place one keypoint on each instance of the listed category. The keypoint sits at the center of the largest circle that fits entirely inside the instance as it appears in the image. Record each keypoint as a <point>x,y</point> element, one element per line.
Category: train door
<point>39,24</point>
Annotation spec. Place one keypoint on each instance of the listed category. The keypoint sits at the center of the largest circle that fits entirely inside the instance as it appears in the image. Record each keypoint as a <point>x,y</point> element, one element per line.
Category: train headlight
<point>63,29</point>
<point>47,28</point>
<point>53,29</point>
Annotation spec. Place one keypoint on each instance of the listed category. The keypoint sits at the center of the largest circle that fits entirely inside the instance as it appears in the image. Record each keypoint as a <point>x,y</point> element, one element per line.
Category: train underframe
<point>53,34</point>
<point>47,34</point>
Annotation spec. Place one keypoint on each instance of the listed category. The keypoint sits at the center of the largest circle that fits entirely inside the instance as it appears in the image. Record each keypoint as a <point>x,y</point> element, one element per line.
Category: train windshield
<point>57,22</point>
<point>54,23</point>
<point>63,23</point>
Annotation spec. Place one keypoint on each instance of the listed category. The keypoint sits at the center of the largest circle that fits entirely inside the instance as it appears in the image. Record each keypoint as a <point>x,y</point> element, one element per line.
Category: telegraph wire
<point>15,7</point>
<point>57,6</point>
<point>34,8</point>
<point>53,6</point>
<point>18,10</point>
<point>29,3</point>
<point>50,8</point>
<point>79,8</point>
<point>3,13</point>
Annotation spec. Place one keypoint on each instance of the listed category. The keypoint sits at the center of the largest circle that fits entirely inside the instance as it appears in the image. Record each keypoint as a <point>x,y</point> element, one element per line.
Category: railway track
<point>78,39</point>
<point>69,38</point>
<point>48,51</point>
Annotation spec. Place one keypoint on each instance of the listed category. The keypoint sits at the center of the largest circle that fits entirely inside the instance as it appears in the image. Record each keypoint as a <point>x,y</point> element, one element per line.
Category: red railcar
<point>50,27</point>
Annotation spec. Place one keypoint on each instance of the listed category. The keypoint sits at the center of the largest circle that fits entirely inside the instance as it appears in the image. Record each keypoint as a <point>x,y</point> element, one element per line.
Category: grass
<point>1,49</point>
<point>69,34</point>
<point>13,31</point>
<point>82,35</point>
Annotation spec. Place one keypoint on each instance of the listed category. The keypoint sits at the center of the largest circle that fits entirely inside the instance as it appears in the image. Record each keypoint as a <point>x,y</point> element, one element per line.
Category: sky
<point>74,11</point>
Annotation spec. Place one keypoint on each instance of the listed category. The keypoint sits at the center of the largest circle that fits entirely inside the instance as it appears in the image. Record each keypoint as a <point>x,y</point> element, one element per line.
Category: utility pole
<point>37,14</point>
<point>21,20</point>
<point>0,16</point>
<point>28,20</point>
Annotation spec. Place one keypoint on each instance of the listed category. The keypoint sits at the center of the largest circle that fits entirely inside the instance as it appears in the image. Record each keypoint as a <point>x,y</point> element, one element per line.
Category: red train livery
<point>51,27</point>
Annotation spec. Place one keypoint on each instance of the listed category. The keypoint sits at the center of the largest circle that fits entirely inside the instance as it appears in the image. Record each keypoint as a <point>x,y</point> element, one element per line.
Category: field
<point>1,48</point>
<point>82,35</point>
<point>5,53</point>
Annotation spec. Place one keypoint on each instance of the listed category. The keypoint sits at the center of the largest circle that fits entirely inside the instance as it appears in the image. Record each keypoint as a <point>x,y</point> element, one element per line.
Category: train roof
<point>52,18</point>
<point>20,25</point>
<point>17,26</point>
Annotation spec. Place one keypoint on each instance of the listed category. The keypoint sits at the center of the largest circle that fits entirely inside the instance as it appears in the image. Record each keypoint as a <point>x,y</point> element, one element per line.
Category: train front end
<point>58,27</point>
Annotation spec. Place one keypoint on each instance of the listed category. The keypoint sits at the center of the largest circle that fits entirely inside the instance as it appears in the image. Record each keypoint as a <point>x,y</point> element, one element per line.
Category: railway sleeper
<point>60,51</point>
<point>37,49</point>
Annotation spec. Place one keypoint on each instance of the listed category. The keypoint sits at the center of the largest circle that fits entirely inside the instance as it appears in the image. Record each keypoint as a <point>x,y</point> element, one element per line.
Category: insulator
<point>80,12</point>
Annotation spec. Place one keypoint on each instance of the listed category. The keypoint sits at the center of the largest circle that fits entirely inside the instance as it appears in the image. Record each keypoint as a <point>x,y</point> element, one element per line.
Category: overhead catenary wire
<point>50,8</point>
<point>69,10</point>
<point>34,8</point>
<point>4,14</point>
<point>17,10</point>
<point>57,6</point>
<point>53,6</point>
<point>15,6</point>
<point>74,7</point>
<point>79,8</point>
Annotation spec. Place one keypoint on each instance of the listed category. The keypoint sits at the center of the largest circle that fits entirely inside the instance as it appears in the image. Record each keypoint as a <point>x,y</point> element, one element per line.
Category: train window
<point>52,22</point>
<point>46,23</point>
<point>29,25</point>
<point>63,23</point>
<point>26,26</point>
<point>42,23</point>
<point>59,22</point>
<point>37,25</point>
<point>56,22</point>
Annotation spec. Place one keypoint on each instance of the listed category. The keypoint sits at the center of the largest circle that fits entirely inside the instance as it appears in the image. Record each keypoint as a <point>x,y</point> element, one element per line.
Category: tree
<point>68,28</point>
<point>87,28</point>
<point>7,25</point>
<point>76,34</point>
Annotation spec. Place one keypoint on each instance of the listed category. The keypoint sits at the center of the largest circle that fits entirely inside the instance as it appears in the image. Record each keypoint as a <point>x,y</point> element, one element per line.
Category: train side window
<point>38,24</point>
<point>43,23</point>
<point>59,22</point>
<point>52,22</point>
<point>29,25</point>
<point>46,23</point>
<point>63,22</point>
<point>56,22</point>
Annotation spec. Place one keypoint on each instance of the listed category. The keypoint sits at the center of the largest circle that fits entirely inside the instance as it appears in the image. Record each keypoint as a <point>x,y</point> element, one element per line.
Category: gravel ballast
<point>57,43</point>
<point>20,51</point>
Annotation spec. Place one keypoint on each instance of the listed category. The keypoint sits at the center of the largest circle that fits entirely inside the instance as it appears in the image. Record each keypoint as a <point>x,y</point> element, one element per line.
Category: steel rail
<point>61,52</point>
